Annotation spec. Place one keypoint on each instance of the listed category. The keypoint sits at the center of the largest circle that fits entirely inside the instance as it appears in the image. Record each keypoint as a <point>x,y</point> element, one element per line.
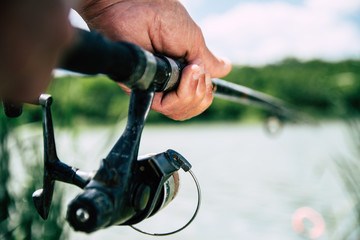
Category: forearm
<point>90,8</point>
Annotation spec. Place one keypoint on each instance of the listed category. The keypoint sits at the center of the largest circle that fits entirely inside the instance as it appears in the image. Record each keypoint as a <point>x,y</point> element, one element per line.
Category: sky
<point>259,32</point>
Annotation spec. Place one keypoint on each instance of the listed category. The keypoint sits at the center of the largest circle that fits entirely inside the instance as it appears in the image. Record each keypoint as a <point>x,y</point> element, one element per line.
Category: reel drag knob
<point>90,211</point>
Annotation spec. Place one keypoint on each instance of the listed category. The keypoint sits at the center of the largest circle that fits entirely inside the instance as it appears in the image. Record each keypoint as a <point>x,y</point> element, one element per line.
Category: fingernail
<point>196,69</point>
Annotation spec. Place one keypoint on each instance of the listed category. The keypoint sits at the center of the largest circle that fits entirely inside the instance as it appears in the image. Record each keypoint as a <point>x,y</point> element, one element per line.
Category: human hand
<point>163,27</point>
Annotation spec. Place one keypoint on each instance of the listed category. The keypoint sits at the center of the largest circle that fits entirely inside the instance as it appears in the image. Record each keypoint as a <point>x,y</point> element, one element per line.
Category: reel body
<point>126,189</point>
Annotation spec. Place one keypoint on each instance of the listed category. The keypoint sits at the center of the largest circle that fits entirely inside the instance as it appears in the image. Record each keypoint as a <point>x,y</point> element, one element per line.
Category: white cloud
<point>258,33</point>
<point>190,4</point>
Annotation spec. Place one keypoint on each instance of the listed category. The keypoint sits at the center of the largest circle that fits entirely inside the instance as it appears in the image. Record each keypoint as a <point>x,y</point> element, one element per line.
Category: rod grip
<point>91,53</point>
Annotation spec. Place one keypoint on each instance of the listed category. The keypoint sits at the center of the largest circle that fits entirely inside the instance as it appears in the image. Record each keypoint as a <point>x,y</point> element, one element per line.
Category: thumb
<point>217,67</point>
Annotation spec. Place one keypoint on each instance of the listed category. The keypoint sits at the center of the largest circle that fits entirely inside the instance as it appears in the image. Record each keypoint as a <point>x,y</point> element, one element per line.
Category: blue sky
<point>257,32</point>
<point>202,8</point>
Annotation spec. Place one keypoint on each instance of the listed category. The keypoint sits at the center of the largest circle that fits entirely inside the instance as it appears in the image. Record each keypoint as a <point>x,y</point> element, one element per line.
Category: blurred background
<point>301,183</point>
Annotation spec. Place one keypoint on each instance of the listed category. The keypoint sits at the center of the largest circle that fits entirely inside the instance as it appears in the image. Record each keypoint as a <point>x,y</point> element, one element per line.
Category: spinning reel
<point>126,189</point>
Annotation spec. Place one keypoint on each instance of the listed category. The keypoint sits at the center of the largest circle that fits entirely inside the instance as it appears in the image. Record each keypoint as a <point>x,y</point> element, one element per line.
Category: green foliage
<point>5,198</point>
<point>92,98</point>
<point>18,216</point>
<point>321,89</point>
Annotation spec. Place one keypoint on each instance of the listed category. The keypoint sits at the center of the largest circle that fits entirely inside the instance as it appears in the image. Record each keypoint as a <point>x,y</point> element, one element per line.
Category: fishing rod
<point>278,111</point>
<point>96,55</point>
<point>247,96</point>
<point>127,188</point>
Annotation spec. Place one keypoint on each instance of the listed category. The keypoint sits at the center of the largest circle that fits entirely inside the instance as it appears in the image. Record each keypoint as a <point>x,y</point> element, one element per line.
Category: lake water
<point>252,183</point>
